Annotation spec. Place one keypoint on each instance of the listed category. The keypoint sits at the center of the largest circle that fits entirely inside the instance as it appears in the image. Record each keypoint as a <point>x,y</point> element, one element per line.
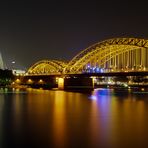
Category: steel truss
<point>118,54</point>
<point>47,67</point>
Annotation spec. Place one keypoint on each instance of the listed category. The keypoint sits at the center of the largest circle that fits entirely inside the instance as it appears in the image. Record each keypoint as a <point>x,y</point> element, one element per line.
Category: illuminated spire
<point>1,62</point>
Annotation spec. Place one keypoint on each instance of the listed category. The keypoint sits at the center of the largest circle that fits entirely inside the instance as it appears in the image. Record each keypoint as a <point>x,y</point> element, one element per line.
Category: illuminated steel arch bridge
<point>113,55</point>
<point>47,67</point>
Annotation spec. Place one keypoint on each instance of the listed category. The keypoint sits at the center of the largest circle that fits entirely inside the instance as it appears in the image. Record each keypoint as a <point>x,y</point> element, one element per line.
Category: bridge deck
<point>144,73</point>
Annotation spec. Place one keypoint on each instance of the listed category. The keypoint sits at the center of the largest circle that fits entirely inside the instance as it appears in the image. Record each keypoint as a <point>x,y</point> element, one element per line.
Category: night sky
<point>32,31</point>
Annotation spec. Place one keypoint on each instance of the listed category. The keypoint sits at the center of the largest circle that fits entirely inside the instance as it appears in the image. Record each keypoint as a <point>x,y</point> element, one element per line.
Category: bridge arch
<point>47,67</point>
<point>118,54</point>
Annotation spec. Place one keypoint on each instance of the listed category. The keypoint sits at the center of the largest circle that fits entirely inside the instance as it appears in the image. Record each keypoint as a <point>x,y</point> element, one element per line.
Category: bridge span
<point>106,60</point>
<point>84,80</point>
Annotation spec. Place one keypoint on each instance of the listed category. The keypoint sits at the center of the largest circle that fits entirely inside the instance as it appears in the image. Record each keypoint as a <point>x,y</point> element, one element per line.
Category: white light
<point>13,62</point>
<point>101,70</point>
<point>93,97</point>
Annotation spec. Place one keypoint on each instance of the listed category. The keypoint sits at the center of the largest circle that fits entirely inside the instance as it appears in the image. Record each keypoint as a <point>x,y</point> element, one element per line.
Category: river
<point>36,118</point>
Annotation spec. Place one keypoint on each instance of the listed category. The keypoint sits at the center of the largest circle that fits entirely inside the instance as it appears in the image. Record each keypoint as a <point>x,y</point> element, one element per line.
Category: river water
<point>60,119</point>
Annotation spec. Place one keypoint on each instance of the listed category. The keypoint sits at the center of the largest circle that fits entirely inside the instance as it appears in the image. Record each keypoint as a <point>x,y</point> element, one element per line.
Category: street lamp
<point>13,62</point>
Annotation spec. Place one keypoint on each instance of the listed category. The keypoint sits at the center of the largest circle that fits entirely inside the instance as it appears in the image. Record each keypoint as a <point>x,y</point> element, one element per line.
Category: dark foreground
<point>58,119</point>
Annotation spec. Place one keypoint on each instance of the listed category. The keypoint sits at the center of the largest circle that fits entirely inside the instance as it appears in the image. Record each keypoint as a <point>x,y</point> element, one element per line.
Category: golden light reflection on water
<point>59,119</point>
<point>128,120</point>
<point>70,119</point>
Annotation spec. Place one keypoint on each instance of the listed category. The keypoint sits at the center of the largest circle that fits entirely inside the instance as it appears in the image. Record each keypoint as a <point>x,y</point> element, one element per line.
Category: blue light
<point>88,66</point>
<point>97,69</point>
<point>101,70</point>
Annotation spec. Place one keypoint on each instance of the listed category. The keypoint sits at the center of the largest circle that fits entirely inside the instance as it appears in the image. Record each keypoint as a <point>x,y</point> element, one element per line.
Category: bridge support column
<point>61,83</point>
<point>76,83</point>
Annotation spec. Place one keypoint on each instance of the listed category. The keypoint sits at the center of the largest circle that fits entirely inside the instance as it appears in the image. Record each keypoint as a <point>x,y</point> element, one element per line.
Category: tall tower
<point>1,62</point>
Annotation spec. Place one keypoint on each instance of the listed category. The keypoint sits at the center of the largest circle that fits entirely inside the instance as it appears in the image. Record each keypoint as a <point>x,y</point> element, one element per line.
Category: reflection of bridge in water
<point>118,57</point>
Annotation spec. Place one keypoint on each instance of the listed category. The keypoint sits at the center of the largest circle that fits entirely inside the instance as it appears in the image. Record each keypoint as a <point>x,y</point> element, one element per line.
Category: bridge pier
<point>76,83</point>
<point>61,83</point>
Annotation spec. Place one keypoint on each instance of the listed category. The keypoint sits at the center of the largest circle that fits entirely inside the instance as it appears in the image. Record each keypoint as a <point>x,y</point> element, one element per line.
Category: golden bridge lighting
<point>128,54</point>
<point>113,55</point>
<point>18,81</point>
<point>61,83</point>
<point>41,81</point>
<point>47,67</point>
<point>29,81</point>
